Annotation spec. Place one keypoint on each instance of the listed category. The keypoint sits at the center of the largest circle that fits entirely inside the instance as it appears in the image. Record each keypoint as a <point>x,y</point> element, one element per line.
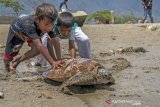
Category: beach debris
<point>29,79</point>
<point>113,37</point>
<point>47,94</point>
<point>151,27</point>
<point>109,53</point>
<point>119,64</point>
<point>103,54</point>
<point>2,46</point>
<point>131,49</point>
<point>1,94</point>
<point>33,63</point>
<point>142,25</point>
<point>3,76</point>
<point>122,50</point>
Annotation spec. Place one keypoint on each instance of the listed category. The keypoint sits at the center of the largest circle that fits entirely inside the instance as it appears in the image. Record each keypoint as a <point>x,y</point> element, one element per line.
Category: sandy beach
<point>136,85</point>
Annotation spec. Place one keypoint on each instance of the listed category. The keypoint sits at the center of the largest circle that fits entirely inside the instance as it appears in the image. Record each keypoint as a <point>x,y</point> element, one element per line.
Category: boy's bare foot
<point>12,70</point>
<point>15,62</point>
<point>16,59</point>
<point>7,68</point>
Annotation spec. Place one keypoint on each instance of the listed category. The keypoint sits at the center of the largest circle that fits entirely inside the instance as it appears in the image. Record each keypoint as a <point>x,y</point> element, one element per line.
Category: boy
<point>63,7</point>
<point>66,28</point>
<point>147,4</point>
<point>30,28</point>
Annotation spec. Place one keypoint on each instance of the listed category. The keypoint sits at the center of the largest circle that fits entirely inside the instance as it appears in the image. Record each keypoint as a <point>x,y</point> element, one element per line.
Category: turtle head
<point>104,76</point>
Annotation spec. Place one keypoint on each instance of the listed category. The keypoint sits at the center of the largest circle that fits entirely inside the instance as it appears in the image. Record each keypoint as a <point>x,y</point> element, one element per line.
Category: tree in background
<point>106,17</point>
<point>131,18</point>
<point>15,5</point>
<point>100,16</point>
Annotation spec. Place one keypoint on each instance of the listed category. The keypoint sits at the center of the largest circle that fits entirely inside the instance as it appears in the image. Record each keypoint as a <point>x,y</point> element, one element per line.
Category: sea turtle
<point>80,71</point>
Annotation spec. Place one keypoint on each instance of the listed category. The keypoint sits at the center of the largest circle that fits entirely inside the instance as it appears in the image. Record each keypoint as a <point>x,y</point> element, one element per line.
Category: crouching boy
<point>30,28</point>
<point>66,28</point>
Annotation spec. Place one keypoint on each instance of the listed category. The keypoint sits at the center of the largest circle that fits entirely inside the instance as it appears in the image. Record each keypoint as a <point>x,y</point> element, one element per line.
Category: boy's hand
<point>58,64</point>
<point>145,7</point>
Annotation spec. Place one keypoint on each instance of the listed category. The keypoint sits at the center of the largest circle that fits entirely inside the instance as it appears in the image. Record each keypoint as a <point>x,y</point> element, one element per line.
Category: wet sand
<point>136,85</point>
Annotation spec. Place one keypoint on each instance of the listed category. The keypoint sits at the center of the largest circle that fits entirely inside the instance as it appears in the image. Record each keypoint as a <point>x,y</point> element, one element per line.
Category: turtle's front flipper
<point>79,79</point>
<point>65,90</point>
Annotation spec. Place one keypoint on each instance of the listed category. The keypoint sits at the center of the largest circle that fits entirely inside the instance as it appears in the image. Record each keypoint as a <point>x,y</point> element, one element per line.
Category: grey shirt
<point>26,25</point>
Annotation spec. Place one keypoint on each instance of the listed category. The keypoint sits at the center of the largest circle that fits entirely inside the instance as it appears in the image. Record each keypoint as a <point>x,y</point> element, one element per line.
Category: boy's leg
<point>43,61</point>
<point>150,15</point>
<point>7,64</point>
<point>34,52</point>
<point>29,54</point>
<point>13,45</point>
<point>83,43</point>
<point>40,60</point>
<point>47,43</point>
<point>54,42</point>
<point>145,15</point>
<point>51,50</point>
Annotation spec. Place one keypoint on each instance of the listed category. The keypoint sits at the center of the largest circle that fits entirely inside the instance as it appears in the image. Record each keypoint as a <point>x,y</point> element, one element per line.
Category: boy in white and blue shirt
<point>66,28</point>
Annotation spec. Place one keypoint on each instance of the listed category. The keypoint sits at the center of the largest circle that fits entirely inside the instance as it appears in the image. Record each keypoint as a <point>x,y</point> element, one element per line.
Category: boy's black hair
<point>65,19</point>
<point>46,10</point>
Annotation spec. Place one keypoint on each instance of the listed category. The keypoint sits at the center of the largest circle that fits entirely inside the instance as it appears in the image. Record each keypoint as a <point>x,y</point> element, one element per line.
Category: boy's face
<point>64,31</point>
<point>45,25</point>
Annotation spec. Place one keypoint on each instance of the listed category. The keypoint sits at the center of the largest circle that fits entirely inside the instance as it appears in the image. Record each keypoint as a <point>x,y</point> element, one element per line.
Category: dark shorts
<point>13,45</point>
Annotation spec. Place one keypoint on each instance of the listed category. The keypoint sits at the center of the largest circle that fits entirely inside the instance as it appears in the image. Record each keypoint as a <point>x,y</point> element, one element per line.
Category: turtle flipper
<point>65,90</point>
<point>78,79</point>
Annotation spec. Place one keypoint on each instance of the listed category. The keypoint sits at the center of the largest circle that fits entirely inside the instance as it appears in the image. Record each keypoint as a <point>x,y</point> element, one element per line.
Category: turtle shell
<point>71,67</point>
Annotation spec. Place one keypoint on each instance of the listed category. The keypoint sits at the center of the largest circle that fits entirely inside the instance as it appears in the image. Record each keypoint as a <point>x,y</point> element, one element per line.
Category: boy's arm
<point>43,50</point>
<point>150,2</point>
<point>60,6</point>
<point>67,7</point>
<point>143,3</point>
<point>57,47</point>
<point>72,49</point>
